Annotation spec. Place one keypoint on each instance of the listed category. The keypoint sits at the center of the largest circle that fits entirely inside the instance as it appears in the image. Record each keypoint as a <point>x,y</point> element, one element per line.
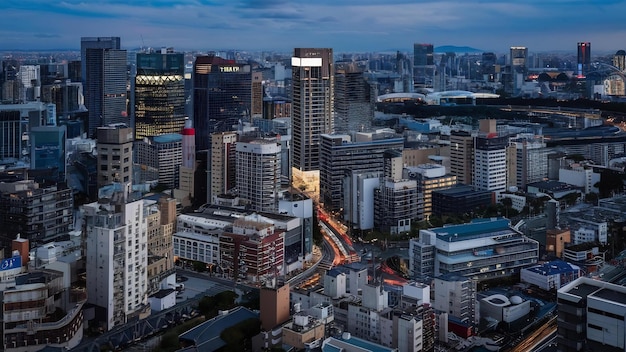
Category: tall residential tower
<point>312,104</point>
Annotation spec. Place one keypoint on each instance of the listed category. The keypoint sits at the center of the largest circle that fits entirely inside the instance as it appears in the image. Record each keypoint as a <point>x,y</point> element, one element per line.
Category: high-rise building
<point>423,66</point>
<point>160,158</point>
<point>159,94</point>
<point>116,259</point>
<point>340,155</point>
<point>95,43</point>
<point>40,214</point>
<point>115,156</point>
<point>222,92</point>
<point>462,156</point>
<point>354,105</point>
<point>312,104</point>
<point>258,174</point>
<point>518,59</point>
<point>222,164</point>
<point>47,151</point>
<point>527,160</point>
<point>105,80</point>
<point>619,60</point>
<point>584,59</point>
<point>490,158</point>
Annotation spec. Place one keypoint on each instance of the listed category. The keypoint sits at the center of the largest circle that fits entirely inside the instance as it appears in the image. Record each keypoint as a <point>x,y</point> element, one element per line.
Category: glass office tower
<point>222,94</point>
<point>159,94</point>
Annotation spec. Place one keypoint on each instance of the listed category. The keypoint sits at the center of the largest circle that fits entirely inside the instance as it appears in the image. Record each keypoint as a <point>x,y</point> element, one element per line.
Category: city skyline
<point>348,25</point>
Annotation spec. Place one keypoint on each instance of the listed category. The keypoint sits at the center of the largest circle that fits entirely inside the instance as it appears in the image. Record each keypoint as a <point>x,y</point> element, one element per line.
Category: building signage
<point>11,263</point>
<point>229,68</point>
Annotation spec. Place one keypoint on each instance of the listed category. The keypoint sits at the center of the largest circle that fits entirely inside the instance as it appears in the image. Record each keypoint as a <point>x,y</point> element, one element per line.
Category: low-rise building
<point>550,276</point>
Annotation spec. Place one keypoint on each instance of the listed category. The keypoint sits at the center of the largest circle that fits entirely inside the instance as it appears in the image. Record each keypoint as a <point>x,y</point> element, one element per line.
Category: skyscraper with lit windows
<point>159,94</point>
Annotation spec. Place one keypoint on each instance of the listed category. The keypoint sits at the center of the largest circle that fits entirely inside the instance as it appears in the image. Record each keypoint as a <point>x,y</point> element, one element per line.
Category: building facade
<point>159,94</point>
<point>312,104</point>
<point>223,177</point>
<point>258,174</point>
<point>39,214</point>
<point>115,156</point>
<point>591,316</point>
<point>342,154</point>
<point>483,248</point>
<point>160,158</point>
<point>222,92</point>
<point>105,80</point>
<point>116,242</point>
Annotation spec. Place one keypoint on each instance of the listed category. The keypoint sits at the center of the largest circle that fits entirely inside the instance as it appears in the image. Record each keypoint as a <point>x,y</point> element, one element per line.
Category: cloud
<point>368,24</point>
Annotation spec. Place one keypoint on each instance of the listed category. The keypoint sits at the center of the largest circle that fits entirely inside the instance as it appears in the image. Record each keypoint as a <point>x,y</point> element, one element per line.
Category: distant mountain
<point>456,49</point>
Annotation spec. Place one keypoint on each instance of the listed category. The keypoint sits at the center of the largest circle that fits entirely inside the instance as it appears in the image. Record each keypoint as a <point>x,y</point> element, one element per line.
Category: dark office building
<point>159,94</point>
<point>104,78</point>
<point>354,103</point>
<point>222,93</point>
<point>38,213</point>
<point>423,66</point>
<point>459,199</point>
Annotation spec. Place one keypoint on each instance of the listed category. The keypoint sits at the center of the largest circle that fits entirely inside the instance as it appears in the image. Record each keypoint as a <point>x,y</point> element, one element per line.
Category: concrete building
<point>550,276</point>
<point>302,330</point>
<point>580,176</point>
<point>115,156</point>
<point>527,160</point>
<point>483,248</point>
<point>462,156</point>
<point>222,162</point>
<point>274,303</point>
<point>38,213</point>
<point>160,158</point>
<point>29,322</point>
<point>258,174</point>
<point>456,295</point>
<point>490,167</point>
<point>396,206</point>
<point>313,76</point>
<point>430,178</point>
<point>161,221</point>
<point>503,308</point>
<point>591,316</point>
<point>359,199</point>
<point>341,154</point>
<point>253,251</point>
<point>116,259</point>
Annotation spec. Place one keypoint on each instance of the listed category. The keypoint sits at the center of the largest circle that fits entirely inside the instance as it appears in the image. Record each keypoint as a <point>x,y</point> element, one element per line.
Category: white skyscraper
<point>258,173</point>
<point>117,257</point>
<point>490,158</point>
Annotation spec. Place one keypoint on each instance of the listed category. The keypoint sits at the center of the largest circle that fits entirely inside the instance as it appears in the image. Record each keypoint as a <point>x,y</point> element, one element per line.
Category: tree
<point>508,203</point>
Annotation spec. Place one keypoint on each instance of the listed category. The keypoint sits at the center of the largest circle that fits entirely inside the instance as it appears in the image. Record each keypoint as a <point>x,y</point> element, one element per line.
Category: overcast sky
<point>344,25</point>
